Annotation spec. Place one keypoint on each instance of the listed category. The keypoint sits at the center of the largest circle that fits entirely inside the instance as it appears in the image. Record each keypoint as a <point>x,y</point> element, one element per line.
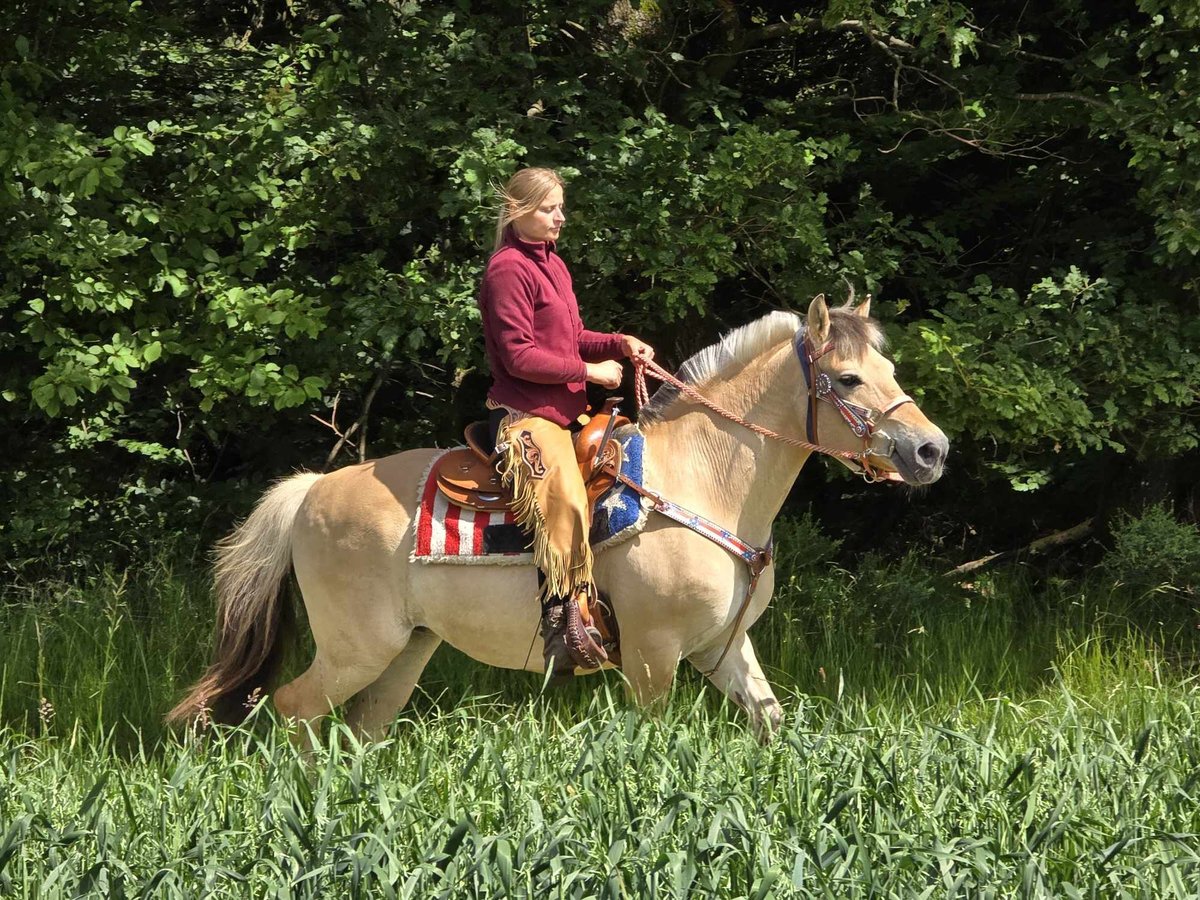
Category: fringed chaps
<point>549,500</point>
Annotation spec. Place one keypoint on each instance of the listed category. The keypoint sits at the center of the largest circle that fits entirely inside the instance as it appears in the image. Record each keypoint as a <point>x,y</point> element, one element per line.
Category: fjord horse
<point>377,617</point>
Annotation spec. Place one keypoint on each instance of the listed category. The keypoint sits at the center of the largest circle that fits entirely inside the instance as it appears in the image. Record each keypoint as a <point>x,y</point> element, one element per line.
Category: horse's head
<point>854,401</point>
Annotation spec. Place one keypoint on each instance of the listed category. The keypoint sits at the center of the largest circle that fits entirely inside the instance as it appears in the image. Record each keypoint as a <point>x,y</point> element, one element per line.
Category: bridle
<point>861,420</point>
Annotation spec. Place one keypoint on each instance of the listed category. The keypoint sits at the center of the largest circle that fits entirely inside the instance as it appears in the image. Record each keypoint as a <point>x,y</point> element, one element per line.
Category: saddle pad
<point>448,533</point>
<point>621,509</point>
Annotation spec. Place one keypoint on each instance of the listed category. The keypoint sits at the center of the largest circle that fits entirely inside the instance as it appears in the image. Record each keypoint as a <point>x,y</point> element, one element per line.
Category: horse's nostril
<point>929,453</point>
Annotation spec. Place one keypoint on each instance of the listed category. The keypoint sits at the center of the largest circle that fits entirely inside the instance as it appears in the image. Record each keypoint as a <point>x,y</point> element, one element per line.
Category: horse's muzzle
<point>920,455</point>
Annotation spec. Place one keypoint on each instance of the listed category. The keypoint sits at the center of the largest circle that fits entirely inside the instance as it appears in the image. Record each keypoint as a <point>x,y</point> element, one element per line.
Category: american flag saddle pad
<point>449,533</point>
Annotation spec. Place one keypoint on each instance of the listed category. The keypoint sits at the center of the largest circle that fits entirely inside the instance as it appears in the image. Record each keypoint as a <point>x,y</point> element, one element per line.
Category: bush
<point>801,545</point>
<point>1155,551</point>
<point>876,597</point>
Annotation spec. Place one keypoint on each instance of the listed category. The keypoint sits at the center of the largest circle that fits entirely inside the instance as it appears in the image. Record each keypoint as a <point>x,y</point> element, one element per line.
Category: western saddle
<point>468,476</point>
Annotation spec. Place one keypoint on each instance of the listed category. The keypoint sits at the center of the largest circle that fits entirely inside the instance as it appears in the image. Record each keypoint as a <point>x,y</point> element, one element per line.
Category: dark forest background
<point>225,222</point>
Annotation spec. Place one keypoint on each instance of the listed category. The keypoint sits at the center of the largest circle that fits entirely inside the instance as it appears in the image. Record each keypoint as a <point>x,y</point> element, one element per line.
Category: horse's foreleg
<point>740,678</point>
<point>649,665</point>
<point>374,708</point>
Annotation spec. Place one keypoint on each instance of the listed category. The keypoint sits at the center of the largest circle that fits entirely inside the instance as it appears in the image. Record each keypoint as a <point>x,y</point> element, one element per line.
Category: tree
<point>226,223</point>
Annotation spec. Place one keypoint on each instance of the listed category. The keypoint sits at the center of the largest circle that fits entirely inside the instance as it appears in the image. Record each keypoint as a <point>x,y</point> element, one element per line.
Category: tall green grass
<point>108,655</point>
<point>1010,737</point>
<point>1050,797</point>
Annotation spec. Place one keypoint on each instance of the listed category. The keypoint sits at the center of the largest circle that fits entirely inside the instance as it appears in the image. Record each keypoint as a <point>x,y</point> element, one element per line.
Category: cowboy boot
<point>584,640</point>
<point>567,643</point>
<point>585,597</point>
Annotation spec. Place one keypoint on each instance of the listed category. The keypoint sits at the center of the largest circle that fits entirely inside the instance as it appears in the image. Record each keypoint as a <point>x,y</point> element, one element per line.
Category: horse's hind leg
<point>740,678</point>
<point>374,708</point>
<point>331,680</point>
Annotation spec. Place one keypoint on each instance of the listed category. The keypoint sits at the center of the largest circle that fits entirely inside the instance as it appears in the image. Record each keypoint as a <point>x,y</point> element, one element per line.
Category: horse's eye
<point>849,380</point>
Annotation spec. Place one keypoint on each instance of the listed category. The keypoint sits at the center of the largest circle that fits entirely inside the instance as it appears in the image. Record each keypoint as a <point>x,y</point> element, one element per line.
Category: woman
<point>541,358</point>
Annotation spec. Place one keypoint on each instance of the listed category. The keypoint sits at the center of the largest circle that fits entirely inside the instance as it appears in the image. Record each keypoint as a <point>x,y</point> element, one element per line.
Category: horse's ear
<point>864,309</point>
<point>818,321</point>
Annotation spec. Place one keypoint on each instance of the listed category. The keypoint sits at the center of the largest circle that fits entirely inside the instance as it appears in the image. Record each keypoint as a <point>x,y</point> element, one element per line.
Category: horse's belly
<point>490,613</point>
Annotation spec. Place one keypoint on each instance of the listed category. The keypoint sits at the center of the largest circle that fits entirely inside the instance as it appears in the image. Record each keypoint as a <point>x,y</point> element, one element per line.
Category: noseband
<point>860,419</point>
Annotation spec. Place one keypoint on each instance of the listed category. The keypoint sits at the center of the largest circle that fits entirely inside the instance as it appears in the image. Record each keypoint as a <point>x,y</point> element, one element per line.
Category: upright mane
<point>848,332</point>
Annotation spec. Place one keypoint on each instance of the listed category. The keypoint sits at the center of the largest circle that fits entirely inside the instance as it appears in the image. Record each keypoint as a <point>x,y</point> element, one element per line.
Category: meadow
<point>1017,735</point>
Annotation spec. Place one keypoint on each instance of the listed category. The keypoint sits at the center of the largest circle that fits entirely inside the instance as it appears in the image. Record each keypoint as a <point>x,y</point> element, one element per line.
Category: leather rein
<point>860,419</point>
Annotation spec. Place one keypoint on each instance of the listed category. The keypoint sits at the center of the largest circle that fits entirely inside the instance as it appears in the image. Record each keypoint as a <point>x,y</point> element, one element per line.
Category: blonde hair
<point>523,193</point>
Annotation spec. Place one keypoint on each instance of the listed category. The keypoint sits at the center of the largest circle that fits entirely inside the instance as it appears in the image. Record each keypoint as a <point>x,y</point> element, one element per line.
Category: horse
<point>377,617</point>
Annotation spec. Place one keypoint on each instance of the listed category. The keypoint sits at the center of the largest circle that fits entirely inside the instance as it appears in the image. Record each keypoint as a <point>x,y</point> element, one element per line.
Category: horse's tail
<point>251,566</point>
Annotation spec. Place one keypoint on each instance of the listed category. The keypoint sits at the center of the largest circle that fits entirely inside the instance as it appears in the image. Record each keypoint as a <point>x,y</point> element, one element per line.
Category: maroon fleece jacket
<point>535,340</point>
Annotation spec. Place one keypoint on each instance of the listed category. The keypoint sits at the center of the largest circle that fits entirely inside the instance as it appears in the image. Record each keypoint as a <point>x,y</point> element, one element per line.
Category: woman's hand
<point>606,374</point>
<point>636,349</point>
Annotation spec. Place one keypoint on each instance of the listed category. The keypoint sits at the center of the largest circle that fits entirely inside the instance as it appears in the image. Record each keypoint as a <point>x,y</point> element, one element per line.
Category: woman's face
<point>545,222</point>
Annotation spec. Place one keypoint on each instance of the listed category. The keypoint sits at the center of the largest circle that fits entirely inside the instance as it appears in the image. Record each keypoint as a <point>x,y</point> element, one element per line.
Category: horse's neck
<point>721,469</point>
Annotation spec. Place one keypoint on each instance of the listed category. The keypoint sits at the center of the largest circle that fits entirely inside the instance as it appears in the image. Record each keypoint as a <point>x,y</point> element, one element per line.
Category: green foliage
<point>875,598</point>
<point>1010,753</point>
<point>801,546</point>
<point>1154,551</point>
<point>1158,106</point>
<point>1077,365</point>
<point>737,200</point>
<point>220,223</point>
<point>1055,798</point>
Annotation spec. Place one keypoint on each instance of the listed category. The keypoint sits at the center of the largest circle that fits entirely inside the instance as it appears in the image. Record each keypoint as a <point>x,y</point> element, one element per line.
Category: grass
<point>1006,739</point>
<point>1045,798</point>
